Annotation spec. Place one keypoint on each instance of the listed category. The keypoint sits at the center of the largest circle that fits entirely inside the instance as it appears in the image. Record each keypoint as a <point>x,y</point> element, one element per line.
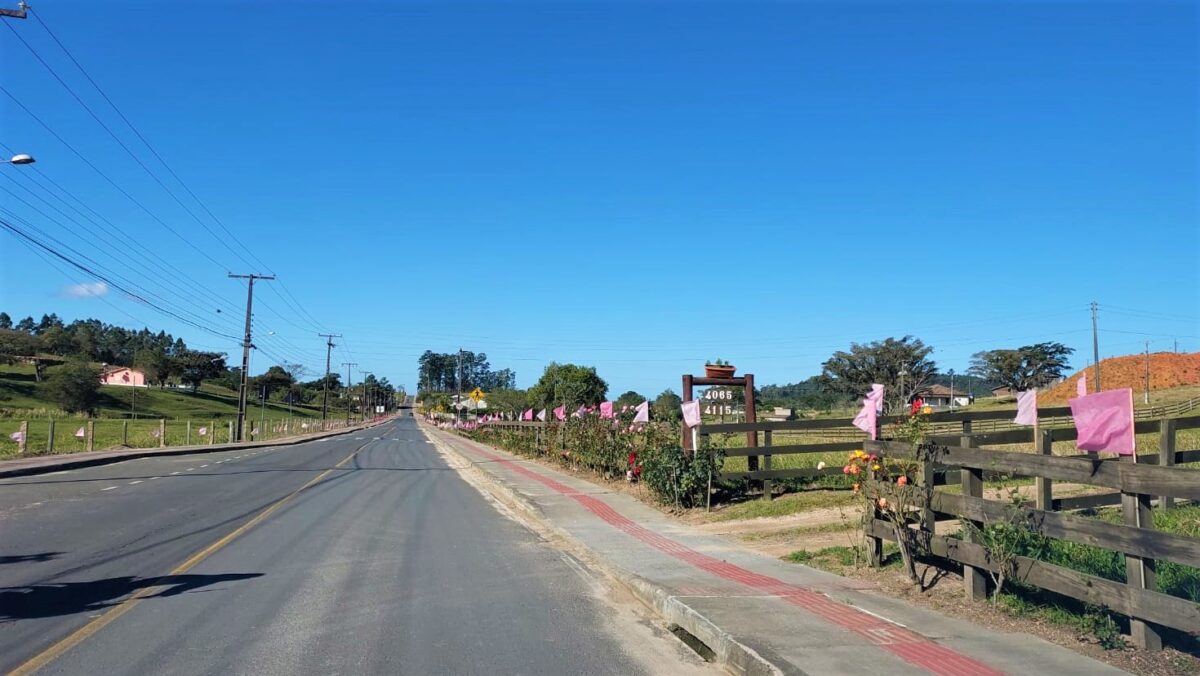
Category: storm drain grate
<point>689,639</point>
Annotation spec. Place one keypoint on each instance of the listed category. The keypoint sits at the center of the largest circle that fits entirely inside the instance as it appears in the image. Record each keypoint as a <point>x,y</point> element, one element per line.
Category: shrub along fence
<point>74,435</point>
<point>1138,480</point>
<point>613,449</point>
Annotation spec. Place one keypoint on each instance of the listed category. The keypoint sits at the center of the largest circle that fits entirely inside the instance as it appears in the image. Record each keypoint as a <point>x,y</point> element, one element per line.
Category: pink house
<point>122,375</point>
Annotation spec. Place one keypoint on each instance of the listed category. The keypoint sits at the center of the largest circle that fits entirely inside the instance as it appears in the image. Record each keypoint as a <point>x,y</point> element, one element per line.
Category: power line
<point>121,143</point>
<point>83,268</point>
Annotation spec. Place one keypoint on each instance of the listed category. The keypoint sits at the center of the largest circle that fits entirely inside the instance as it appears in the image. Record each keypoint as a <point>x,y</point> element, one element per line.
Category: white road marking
<point>57,473</point>
<point>190,468</point>
<point>174,473</point>
<point>153,478</point>
<point>134,483</point>
<point>108,489</point>
<point>203,466</point>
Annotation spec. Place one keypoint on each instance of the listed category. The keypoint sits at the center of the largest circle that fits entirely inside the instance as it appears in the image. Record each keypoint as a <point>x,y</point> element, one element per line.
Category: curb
<point>732,654</point>
<point>71,461</point>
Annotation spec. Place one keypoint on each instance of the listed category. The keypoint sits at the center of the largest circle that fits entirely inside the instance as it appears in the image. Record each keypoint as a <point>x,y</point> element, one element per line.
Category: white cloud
<point>86,290</point>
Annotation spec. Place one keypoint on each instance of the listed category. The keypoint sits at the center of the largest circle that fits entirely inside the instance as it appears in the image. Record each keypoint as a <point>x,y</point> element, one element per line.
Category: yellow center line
<point>80,635</point>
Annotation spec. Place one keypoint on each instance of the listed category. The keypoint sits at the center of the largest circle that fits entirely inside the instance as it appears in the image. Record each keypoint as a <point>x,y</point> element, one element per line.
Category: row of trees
<point>903,365</point>
<point>440,372</point>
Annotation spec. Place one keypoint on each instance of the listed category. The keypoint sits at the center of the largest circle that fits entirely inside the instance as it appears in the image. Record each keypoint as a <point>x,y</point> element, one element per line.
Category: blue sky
<point>634,186</point>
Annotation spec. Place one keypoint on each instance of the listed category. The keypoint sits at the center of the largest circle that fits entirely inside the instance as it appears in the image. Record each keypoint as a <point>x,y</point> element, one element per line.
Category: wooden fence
<point>834,435</point>
<point>73,435</point>
<point>1139,481</point>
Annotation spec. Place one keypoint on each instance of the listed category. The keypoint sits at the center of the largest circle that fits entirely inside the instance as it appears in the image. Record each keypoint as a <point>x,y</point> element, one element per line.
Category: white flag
<point>691,413</point>
<point>80,433</point>
<point>643,412</point>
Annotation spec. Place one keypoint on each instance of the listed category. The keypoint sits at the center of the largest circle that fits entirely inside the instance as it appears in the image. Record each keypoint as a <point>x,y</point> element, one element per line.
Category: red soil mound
<point>1167,370</point>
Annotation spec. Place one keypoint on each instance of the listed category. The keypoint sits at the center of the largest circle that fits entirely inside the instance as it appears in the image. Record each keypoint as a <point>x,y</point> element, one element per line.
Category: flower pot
<point>714,371</point>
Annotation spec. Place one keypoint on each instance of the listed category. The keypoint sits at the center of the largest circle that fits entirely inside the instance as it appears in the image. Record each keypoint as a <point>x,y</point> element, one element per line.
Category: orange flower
<point>854,469</point>
<point>902,481</point>
<point>883,503</point>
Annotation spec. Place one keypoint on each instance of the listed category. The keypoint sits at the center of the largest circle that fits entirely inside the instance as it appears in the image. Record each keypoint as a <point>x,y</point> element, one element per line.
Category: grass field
<point>211,407</point>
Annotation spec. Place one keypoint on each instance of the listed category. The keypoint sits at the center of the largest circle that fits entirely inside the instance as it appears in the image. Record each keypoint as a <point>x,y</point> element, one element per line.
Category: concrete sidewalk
<point>40,464</point>
<point>758,615</point>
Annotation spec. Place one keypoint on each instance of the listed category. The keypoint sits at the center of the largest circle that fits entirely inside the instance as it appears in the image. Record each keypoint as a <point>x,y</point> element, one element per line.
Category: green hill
<point>20,397</point>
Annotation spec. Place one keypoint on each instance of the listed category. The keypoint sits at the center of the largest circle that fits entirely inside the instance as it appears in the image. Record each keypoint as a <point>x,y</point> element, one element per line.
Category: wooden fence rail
<point>1139,480</point>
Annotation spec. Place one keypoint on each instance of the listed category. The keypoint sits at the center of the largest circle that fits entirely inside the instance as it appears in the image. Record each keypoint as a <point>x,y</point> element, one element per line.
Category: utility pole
<point>1095,347</point>
<point>1147,399</point>
<point>367,395</point>
<point>328,350</point>
<point>241,419</point>
<point>349,390</point>
<point>458,381</point>
<point>18,13</point>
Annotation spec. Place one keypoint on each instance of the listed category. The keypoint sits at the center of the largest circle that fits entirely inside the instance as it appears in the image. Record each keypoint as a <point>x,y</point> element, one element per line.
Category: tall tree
<point>74,386</point>
<point>154,363</point>
<point>667,406</point>
<point>5,321</point>
<point>568,384</point>
<point>852,373</point>
<point>194,367</point>
<point>1023,368</point>
<point>629,398</point>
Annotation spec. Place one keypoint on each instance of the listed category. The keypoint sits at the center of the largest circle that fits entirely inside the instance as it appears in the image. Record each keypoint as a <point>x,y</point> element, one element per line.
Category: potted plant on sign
<point>719,368</point>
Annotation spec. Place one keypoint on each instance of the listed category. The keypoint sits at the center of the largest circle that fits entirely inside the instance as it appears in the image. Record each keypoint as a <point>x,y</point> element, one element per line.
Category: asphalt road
<point>389,563</point>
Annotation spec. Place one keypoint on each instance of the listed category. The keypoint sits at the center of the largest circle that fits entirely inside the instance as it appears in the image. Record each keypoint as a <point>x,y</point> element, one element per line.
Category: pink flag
<point>542,415</point>
<point>1081,385</point>
<point>528,415</point>
<point>202,431</point>
<point>872,405</point>
<point>80,433</point>
<point>560,413</point>
<point>643,413</point>
<point>606,409</point>
<point>1026,407</point>
<point>876,395</point>
<point>17,436</point>
<point>691,413</point>
<point>580,412</point>
<point>156,435</point>
<point>1105,421</point>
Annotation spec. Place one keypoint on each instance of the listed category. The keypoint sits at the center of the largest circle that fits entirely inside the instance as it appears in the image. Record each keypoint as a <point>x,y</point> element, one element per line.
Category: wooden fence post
<point>1044,488</point>
<point>188,435</point>
<point>23,430</point>
<point>162,432</point>
<point>1166,455</point>
<point>974,580</point>
<point>212,432</point>
<point>766,465</point>
<point>50,439</point>
<point>125,433</point>
<point>1139,572</point>
<point>230,431</point>
<point>91,435</point>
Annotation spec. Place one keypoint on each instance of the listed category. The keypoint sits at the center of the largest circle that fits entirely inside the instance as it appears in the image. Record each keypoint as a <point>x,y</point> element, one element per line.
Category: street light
<point>19,159</point>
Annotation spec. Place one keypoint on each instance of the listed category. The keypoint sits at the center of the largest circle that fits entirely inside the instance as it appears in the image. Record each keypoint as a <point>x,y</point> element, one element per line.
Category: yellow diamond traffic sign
<point>476,395</point>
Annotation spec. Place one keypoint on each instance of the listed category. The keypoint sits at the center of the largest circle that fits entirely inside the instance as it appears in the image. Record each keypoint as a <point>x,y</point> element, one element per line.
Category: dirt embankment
<point>1167,370</point>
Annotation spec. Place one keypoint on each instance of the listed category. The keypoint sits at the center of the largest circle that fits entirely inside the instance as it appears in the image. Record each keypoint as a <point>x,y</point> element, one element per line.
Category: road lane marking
<point>104,619</point>
<point>203,466</point>
<point>108,489</point>
<point>153,478</point>
<point>131,483</point>
<point>174,473</point>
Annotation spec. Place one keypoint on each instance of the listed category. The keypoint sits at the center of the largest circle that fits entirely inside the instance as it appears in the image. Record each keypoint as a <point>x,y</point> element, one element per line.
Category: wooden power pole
<point>246,345</point>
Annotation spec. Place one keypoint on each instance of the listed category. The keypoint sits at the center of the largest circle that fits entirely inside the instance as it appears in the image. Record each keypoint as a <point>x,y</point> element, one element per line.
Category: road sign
<point>476,395</point>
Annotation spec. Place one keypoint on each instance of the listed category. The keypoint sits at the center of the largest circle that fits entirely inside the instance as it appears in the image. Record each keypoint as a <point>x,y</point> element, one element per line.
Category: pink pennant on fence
<point>1105,421</point>
<point>80,433</point>
<point>606,409</point>
<point>871,406</point>
<point>542,415</point>
<point>1026,407</point>
<point>528,415</point>
<point>580,412</point>
<point>154,434</point>
<point>643,412</point>
<point>560,413</point>
<point>202,431</point>
<point>17,436</point>
<point>691,412</point>
<point>1081,385</point>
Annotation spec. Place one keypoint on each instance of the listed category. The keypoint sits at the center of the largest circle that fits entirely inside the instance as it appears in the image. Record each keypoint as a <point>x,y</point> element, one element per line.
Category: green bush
<point>675,477</point>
